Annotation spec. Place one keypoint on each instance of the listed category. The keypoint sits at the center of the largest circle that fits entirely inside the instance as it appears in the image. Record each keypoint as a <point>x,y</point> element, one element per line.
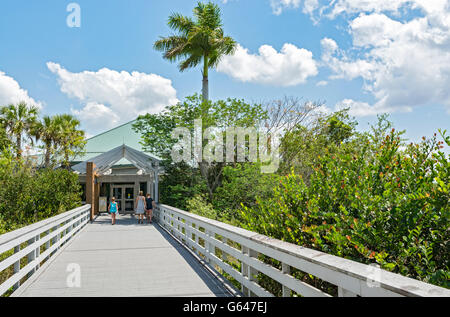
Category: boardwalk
<point>124,260</point>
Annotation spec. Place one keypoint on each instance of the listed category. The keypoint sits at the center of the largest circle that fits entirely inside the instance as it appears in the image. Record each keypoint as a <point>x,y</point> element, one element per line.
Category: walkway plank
<point>126,259</point>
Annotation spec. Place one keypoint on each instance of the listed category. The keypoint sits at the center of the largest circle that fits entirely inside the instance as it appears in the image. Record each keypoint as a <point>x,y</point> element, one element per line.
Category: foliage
<point>197,40</point>
<point>241,185</point>
<point>28,195</point>
<point>304,143</point>
<point>69,138</point>
<point>156,129</point>
<point>5,142</point>
<point>179,183</point>
<point>370,201</point>
<point>199,205</point>
<point>19,120</point>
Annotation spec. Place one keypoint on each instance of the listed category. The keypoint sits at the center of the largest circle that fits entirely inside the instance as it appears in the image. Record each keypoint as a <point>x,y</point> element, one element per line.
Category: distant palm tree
<point>197,40</point>
<point>48,131</point>
<point>18,120</point>
<point>69,138</point>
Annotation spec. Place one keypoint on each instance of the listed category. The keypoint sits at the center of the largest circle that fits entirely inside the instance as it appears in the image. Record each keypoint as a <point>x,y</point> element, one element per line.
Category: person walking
<point>140,207</point>
<point>149,202</point>
<point>113,210</point>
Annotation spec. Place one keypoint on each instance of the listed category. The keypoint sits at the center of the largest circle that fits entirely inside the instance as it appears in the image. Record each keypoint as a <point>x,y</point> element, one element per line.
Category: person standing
<point>149,202</point>
<point>113,210</point>
<point>140,207</point>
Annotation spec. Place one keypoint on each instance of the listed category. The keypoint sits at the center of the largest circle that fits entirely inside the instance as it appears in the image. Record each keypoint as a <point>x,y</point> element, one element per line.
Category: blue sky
<point>373,56</point>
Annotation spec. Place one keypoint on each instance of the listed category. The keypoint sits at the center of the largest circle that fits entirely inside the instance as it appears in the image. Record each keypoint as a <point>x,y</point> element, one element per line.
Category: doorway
<point>124,195</point>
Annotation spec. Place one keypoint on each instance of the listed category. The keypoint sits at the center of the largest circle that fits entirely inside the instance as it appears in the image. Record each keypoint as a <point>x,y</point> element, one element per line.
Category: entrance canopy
<point>104,162</point>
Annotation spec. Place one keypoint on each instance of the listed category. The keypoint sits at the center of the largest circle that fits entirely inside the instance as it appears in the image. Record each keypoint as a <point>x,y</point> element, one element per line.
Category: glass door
<point>117,193</point>
<point>129,199</point>
<point>124,195</point>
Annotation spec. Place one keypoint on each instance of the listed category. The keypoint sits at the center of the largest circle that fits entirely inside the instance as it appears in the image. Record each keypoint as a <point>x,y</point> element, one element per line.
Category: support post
<point>31,255</point>
<point>252,273</point>
<point>156,186</point>
<point>90,179</point>
<point>342,292</point>
<point>96,196</point>
<point>244,272</point>
<point>286,269</point>
<point>16,267</point>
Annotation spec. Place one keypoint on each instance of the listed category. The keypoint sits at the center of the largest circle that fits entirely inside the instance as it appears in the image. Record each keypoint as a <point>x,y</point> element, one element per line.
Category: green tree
<point>19,120</point>
<point>48,131</point>
<point>306,142</point>
<point>5,142</point>
<point>70,140</point>
<point>198,40</point>
<point>156,129</point>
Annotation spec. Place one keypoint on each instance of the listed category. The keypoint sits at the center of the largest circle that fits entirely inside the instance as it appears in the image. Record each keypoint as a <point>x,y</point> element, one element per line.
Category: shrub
<point>370,201</point>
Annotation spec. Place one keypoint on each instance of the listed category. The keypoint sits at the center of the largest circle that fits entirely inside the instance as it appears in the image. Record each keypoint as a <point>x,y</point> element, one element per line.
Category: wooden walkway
<point>127,259</point>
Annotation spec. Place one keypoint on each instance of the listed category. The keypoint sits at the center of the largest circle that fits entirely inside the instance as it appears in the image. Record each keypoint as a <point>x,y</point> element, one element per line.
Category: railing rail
<point>37,243</point>
<point>351,278</point>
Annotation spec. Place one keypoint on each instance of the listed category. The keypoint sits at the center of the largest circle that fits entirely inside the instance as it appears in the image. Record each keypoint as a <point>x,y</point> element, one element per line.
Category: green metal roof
<point>106,141</point>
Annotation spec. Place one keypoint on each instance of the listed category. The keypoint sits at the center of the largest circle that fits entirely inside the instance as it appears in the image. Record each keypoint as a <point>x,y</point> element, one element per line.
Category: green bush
<point>372,200</point>
<point>28,195</point>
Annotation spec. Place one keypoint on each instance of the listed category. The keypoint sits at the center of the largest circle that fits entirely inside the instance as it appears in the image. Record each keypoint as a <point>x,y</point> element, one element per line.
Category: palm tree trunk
<point>47,155</point>
<point>19,145</point>
<point>205,86</point>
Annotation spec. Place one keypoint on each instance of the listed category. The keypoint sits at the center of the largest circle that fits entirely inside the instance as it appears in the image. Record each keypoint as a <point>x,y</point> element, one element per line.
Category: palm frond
<point>180,23</point>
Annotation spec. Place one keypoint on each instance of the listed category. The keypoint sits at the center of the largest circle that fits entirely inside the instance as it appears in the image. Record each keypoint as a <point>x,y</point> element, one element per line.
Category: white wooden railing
<point>37,243</point>
<point>351,278</point>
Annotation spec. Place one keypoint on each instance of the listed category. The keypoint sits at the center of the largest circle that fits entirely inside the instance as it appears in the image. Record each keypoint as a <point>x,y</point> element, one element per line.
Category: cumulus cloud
<point>279,5</point>
<point>93,113</point>
<point>363,109</point>
<point>12,93</point>
<point>111,97</point>
<point>403,62</point>
<point>289,67</point>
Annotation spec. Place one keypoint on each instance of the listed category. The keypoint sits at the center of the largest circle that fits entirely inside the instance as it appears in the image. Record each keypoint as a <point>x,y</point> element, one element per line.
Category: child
<point>113,210</point>
<point>149,210</point>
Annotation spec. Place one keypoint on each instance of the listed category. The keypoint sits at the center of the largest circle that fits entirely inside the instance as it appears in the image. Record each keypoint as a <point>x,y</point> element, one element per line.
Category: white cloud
<point>93,113</point>
<point>404,63</point>
<point>322,83</point>
<point>12,93</point>
<point>279,5</point>
<point>111,97</point>
<point>362,109</point>
<point>341,65</point>
<point>289,67</point>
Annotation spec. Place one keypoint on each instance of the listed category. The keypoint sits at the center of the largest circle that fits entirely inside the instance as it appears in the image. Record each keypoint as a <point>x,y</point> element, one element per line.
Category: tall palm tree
<point>197,40</point>
<point>70,139</point>
<point>48,131</point>
<point>18,120</point>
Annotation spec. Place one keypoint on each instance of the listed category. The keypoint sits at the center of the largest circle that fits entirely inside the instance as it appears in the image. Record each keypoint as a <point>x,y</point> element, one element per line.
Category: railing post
<point>32,255</point>
<point>207,247</point>
<point>47,244</point>
<point>17,267</point>
<point>251,271</point>
<point>38,251</point>
<point>56,237</point>
<point>188,233</point>
<point>342,292</point>
<point>286,269</point>
<point>244,272</point>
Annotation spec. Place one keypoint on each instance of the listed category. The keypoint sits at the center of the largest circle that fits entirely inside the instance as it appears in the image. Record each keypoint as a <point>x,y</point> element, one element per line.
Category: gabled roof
<point>105,161</point>
<point>106,141</point>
